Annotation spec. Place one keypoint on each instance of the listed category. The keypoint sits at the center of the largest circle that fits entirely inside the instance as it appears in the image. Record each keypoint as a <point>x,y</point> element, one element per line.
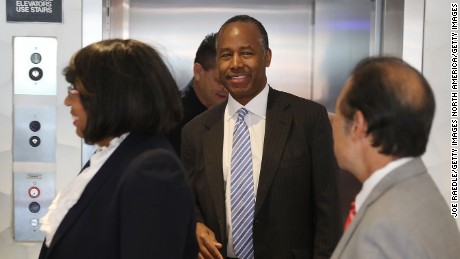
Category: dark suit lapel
<point>212,151</point>
<point>398,175</point>
<point>277,125</point>
<point>113,165</point>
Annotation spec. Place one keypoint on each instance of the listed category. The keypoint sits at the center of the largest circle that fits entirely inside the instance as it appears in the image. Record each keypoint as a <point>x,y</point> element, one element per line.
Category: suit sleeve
<point>156,209</point>
<point>328,227</point>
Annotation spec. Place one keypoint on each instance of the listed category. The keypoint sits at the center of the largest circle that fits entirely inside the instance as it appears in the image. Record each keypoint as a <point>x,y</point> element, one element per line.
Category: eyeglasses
<point>72,91</point>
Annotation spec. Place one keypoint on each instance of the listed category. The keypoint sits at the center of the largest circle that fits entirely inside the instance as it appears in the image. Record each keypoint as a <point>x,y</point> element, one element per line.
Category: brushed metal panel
<point>25,49</point>
<point>342,38</point>
<point>33,193</point>
<point>177,27</point>
<point>24,135</point>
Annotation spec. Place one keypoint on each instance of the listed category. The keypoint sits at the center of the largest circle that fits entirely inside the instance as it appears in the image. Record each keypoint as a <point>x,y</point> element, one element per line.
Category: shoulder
<point>207,118</point>
<point>149,151</point>
<point>157,166</point>
<point>302,110</point>
<point>288,99</point>
<point>410,212</point>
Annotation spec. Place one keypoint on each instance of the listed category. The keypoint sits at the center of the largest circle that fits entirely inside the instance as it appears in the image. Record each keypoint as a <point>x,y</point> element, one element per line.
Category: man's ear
<point>268,57</point>
<point>359,126</point>
<point>197,71</point>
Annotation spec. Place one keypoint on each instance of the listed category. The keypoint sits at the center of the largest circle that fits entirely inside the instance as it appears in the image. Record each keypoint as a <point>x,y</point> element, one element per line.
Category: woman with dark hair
<point>131,200</point>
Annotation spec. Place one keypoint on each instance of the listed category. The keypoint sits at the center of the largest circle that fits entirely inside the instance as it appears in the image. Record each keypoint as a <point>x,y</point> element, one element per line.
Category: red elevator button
<point>34,192</point>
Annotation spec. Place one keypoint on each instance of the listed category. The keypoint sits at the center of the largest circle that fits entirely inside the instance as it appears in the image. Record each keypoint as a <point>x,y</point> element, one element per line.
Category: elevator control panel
<point>34,133</point>
<point>35,60</point>
<point>33,193</point>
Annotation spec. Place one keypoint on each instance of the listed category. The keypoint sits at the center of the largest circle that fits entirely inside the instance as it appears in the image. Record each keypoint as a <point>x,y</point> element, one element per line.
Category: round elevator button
<point>36,58</point>
<point>34,126</point>
<point>34,192</point>
<point>34,207</point>
<point>35,73</point>
<point>34,141</point>
<point>34,222</point>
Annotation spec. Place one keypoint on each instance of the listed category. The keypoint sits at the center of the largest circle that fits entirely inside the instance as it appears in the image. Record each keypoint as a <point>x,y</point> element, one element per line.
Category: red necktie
<point>350,217</point>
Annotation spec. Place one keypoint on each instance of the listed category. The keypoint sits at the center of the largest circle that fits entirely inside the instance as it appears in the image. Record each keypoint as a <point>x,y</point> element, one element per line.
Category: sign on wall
<point>34,10</point>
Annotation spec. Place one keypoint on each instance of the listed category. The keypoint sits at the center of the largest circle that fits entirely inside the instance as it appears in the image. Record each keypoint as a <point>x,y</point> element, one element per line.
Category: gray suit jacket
<point>405,216</point>
<point>297,211</point>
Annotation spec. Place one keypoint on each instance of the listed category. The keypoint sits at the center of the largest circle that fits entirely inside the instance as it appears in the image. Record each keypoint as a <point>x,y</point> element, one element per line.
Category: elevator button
<point>36,58</point>
<point>34,207</point>
<point>35,73</point>
<point>34,141</point>
<point>34,192</point>
<point>34,222</point>
<point>35,126</point>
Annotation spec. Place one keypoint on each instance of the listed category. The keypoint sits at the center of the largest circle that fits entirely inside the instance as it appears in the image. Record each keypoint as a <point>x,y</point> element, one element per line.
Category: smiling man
<point>261,165</point>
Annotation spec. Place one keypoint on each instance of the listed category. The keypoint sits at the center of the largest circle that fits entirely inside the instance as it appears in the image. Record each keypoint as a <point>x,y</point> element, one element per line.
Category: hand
<point>209,247</point>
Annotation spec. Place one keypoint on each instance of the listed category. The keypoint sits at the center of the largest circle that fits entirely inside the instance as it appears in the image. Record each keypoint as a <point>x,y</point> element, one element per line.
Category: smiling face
<point>77,111</point>
<point>242,60</point>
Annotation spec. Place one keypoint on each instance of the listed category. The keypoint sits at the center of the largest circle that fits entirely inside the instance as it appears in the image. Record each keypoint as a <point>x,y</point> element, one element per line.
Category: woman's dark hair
<point>124,87</point>
<point>397,103</point>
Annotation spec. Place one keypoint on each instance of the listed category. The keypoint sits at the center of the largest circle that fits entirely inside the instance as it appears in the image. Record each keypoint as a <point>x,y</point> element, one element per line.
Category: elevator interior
<point>314,44</point>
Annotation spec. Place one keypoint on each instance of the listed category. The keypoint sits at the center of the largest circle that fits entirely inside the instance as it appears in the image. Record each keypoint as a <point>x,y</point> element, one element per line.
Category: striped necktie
<point>242,189</point>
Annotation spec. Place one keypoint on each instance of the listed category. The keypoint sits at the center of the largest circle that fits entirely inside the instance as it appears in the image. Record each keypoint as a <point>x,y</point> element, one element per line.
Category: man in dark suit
<point>291,191</point>
<point>204,90</point>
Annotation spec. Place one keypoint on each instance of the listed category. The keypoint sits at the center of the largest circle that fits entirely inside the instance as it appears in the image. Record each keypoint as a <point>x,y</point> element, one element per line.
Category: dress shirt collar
<point>257,106</point>
<point>375,178</point>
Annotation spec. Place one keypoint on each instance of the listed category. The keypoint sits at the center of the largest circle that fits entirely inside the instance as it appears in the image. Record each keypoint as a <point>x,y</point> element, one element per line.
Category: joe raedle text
<point>454,110</point>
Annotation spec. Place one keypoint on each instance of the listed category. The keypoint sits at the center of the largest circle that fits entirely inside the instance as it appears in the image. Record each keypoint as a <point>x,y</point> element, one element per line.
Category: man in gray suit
<point>292,200</point>
<point>384,116</point>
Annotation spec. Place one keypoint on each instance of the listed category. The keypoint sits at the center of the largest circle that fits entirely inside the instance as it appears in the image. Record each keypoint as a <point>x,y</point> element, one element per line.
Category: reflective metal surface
<point>314,43</point>
<point>31,75</point>
<point>176,28</point>
<point>33,193</point>
<point>34,143</point>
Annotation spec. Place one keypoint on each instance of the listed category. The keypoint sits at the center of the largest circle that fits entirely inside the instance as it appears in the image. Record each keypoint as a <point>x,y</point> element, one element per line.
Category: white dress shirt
<point>375,178</point>
<point>255,121</point>
<point>66,199</point>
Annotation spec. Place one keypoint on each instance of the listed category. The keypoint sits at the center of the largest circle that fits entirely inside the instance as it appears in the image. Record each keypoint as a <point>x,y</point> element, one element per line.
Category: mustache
<point>230,75</point>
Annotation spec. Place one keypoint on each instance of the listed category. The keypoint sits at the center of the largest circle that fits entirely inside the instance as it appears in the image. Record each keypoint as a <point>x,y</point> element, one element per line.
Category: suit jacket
<point>138,205</point>
<point>405,216</point>
<point>192,107</point>
<point>296,210</point>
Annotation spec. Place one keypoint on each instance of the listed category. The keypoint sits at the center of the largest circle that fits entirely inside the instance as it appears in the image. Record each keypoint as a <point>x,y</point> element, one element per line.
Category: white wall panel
<point>68,145</point>
<point>436,68</point>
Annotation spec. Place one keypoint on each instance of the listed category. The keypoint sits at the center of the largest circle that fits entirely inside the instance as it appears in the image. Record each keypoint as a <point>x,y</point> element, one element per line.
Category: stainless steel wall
<point>314,43</point>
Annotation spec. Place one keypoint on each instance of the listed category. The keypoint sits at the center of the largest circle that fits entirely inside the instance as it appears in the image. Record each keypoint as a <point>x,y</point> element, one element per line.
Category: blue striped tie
<point>242,189</point>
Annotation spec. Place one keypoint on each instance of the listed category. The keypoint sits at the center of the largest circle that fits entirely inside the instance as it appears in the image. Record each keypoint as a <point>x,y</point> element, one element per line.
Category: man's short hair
<point>397,103</point>
<point>249,19</point>
<point>206,53</point>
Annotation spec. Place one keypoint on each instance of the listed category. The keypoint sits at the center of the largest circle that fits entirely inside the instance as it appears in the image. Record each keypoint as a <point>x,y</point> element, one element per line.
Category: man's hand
<point>209,247</point>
